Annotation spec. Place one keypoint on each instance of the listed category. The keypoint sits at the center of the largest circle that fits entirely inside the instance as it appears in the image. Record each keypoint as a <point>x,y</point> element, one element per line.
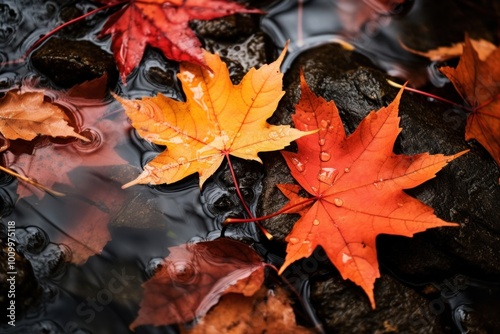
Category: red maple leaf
<point>195,276</point>
<point>162,24</point>
<point>356,184</point>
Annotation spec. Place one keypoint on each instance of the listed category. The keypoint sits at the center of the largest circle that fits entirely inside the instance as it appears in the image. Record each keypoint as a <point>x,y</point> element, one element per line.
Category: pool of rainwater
<point>102,293</point>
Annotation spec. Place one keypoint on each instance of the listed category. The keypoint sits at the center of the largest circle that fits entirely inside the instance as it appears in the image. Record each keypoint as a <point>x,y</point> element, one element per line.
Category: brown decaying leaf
<point>27,115</point>
<point>478,82</point>
<point>267,311</point>
<point>49,164</point>
<point>442,53</point>
<point>218,119</point>
<point>194,277</point>
<point>356,184</point>
<point>86,231</point>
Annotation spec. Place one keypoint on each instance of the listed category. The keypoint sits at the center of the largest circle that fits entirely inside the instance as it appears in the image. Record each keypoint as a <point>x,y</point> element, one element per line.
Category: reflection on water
<point>378,30</point>
<point>92,249</point>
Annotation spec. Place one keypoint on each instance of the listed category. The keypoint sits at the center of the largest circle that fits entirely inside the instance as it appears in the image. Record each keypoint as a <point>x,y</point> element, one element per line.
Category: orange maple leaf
<point>478,82</point>
<point>162,24</point>
<point>193,278</point>
<point>218,119</point>
<point>27,115</point>
<point>356,185</point>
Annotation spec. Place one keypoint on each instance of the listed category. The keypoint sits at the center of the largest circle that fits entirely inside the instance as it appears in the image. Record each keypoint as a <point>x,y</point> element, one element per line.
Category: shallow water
<point>102,294</point>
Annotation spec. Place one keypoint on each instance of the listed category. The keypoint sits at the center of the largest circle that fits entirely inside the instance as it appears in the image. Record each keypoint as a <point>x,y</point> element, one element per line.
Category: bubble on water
<point>182,272</point>
<point>93,145</point>
<point>31,239</point>
<point>153,266</point>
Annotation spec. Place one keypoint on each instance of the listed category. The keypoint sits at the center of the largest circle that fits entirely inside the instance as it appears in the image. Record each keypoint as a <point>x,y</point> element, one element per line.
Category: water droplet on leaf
<point>294,240</point>
<point>298,164</point>
<point>321,141</point>
<point>327,175</point>
<point>347,170</point>
<point>323,123</point>
<point>273,135</point>
<point>338,202</point>
<point>324,156</point>
<point>315,222</point>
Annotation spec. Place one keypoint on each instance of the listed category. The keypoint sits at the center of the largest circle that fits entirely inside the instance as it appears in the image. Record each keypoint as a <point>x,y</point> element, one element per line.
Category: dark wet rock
<point>67,62</point>
<point>240,57</point>
<point>228,28</point>
<point>346,309</point>
<point>466,191</point>
<point>162,77</point>
<point>220,191</point>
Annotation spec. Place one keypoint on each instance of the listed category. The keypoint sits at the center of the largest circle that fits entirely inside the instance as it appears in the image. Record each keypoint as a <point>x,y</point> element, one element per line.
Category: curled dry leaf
<point>27,115</point>
<point>478,82</point>
<point>218,119</point>
<point>162,24</point>
<point>194,277</point>
<point>356,184</point>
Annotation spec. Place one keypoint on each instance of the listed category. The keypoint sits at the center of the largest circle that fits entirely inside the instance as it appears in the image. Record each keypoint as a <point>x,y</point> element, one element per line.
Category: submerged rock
<point>67,62</point>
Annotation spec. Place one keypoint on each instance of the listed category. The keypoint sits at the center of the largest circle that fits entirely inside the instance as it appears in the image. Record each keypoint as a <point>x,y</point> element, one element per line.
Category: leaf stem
<point>30,181</point>
<point>274,214</point>
<point>245,206</point>
<point>395,84</point>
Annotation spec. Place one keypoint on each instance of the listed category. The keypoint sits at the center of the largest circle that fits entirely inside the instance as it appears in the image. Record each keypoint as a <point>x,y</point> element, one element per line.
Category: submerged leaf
<point>193,278</point>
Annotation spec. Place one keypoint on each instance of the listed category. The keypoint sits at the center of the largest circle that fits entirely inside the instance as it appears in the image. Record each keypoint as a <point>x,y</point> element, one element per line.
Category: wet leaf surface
<point>356,184</point>
<point>478,82</point>
<point>218,119</point>
<point>163,25</point>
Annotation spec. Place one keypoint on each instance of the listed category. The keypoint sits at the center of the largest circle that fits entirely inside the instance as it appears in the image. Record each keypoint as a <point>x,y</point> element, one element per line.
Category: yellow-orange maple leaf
<point>27,115</point>
<point>356,184</point>
<point>218,119</point>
